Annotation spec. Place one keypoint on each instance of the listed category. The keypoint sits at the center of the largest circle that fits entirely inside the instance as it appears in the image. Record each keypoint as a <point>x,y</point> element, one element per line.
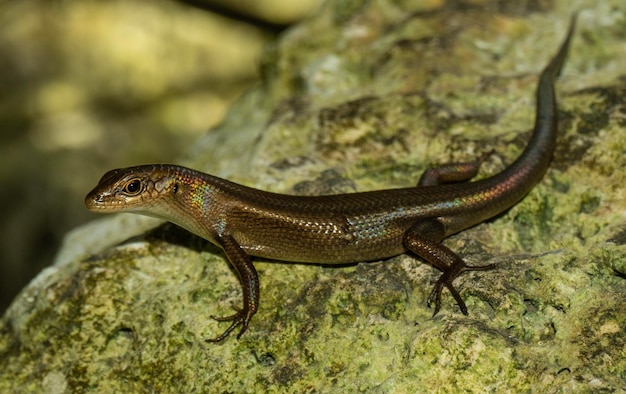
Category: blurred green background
<point>87,86</point>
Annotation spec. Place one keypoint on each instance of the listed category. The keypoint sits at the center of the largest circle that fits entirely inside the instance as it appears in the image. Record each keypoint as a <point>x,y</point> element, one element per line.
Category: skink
<point>337,229</point>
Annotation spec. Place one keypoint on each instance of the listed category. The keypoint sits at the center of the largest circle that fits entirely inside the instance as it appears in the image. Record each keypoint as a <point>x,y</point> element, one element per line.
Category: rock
<point>375,92</point>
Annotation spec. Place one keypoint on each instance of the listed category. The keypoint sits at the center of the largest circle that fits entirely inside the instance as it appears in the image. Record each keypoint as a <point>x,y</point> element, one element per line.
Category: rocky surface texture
<point>365,95</point>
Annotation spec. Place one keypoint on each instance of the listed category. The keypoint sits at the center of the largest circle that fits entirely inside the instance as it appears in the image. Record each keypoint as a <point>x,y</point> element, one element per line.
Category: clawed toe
<point>240,318</point>
<point>446,280</point>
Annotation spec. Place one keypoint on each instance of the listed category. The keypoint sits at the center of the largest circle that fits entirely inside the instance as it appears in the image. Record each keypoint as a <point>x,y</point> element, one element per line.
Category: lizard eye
<point>132,187</point>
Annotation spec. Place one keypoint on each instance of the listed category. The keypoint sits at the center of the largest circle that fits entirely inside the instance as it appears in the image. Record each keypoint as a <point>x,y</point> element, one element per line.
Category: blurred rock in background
<point>87,86</point>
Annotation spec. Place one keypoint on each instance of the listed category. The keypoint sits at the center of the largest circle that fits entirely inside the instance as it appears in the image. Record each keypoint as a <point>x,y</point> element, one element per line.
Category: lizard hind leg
<point>424,239</point>
<point>452,172</point>
<point>448,173</point>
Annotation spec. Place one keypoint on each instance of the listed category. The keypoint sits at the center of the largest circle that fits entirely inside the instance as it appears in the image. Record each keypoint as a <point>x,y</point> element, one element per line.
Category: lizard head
<point>142,189</point>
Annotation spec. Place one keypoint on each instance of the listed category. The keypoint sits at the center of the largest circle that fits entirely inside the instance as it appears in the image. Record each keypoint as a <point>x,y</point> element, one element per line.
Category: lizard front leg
<point>249,285</point>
